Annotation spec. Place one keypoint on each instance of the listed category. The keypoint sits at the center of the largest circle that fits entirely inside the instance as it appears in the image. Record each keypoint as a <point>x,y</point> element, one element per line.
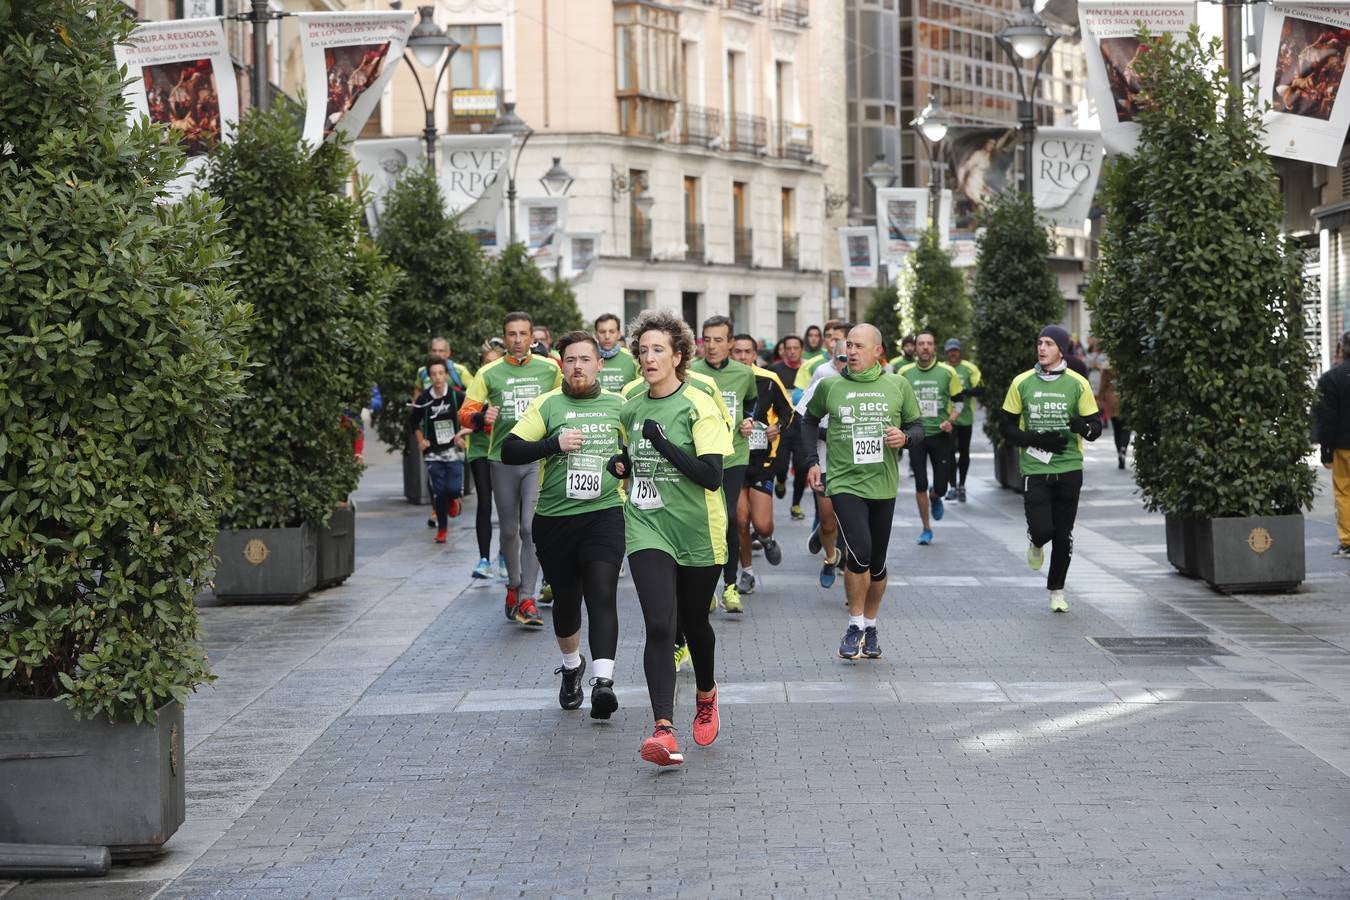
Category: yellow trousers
<point>1340,483</point>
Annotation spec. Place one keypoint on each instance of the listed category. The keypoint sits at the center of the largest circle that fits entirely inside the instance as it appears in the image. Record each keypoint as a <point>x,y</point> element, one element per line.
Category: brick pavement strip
<point>380,740</point>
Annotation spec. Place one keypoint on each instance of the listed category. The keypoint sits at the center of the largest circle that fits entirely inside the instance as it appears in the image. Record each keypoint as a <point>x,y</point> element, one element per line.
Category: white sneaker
<point>1057,602</point>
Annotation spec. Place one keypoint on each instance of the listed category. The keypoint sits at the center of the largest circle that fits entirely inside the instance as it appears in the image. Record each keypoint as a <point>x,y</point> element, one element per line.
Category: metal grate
<point>1161,646</point>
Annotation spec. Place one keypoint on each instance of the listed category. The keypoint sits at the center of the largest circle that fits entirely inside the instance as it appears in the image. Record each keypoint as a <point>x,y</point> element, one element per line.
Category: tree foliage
<point>122,346</point>
<point>882,313</point>
<point>320,327</point>
<point>1015,295</point>
<point>515,282</point>
<point>1198,299</point>
<point>940,302</point>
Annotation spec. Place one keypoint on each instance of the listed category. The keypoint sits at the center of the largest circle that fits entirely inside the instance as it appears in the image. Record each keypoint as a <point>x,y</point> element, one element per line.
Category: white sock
<point>869,623</point>
<point>571,660</point>
<point>749,571</point>
<point>604,668</point>
<point>856,620</point>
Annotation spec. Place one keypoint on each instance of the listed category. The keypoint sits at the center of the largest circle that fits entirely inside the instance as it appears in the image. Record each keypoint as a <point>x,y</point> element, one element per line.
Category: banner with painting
<point>472,174</point>
<point>1111,46</point>
<point>349,59</point>
<point>980,163</point>
<point>902,216</point>
<point>1304,48</point>
<point>545,223</point>
<point>1065,164</point>
<point>380,163</point>
<point>858,248</point>
<point>180,75</point>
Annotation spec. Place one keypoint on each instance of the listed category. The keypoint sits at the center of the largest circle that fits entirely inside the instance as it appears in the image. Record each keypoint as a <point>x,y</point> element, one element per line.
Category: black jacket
<point>1333,410</point>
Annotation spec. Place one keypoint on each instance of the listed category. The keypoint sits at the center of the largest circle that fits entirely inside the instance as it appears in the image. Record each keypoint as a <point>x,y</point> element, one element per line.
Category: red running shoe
<point>510,604</point>
<point>661,748</point>
<point>527,613</point>
<point>706,720</point>
<point>454,508</point>
<point>440,536</point>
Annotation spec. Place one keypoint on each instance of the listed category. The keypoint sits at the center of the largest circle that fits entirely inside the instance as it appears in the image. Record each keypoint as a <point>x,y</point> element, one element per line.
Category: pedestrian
<point>939,390</point>
<point>1333,426</point>
<point>480,472</point>
<point>1048,412</point>
<point>572,432</point>
<point>497,397</point>
<point>435,420</point>
<point>965,423</point>
<point>675,520</point>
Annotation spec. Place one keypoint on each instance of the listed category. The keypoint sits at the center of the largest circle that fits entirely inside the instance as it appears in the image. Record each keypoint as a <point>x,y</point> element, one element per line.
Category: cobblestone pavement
<point>394,737</point>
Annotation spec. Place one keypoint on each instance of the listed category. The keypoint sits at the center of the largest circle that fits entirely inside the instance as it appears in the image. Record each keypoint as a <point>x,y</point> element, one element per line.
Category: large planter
<point>266,565</point>
<point>415,486</point>
<point>337,547</point>
<point>1181,549</point>
<point>64,781</point>
<point>1250,554</point>
<point>1007,467</point>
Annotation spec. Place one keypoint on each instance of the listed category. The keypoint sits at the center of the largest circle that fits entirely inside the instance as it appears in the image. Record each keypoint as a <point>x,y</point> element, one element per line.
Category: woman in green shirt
<point>675,521</point>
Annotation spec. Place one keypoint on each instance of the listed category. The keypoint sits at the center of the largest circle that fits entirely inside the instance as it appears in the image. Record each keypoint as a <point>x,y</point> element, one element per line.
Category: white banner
<point>381,163</point>
<point>858,249</point>
<point>545,221</point>
<point>180,75</point>
<point>1303,50</point>
<point>957,241</point>
<point>1111,46</point>
<point>1065,165</point>
<point>902,217</point>
<point>472,173</point>
<point>581,249</point>
<point>349,59</point>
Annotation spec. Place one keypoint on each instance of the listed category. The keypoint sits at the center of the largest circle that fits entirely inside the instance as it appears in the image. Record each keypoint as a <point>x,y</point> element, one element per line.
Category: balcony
<point>795,141</point>
<point>744,245</point>
<point>695,250</point>
<point>791,258</point>
<point>700,125</point>
<point>640,238</point>
<point>794,12</point>
<point>747,134</point>
<point>751,7</point>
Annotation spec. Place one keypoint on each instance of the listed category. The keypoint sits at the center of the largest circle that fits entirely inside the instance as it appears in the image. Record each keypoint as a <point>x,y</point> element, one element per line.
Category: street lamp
<point>556,180</point>
<point>1026,37</point>
<point>932,124</point>
<point>513,125</point>
<point>428,43</point>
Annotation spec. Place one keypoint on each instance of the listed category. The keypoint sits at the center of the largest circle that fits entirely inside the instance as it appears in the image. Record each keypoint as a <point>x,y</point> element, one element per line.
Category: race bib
<point>928,408</point>
<point>759,437</point>
<point>522,397</point>
<point>642,493</point>
<point>729,398</point>
<point>868,444</point>
<point>445,431</point>
<point>1040,455</point>
<point>583,476</point>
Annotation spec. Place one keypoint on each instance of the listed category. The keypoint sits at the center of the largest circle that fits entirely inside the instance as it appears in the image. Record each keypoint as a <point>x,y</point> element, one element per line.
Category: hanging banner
<point>980,165</point>
<point>958,241</point>
<point>472,173</point>
<point>1065,164</point>
<point>545,220</point>
<point>180,75</point>
<point>1303,57</point>
<point>380,163</point>
<point>902,216</point>
<point>349,59</point>
<point>1111,46</point>
<point>858,248</point>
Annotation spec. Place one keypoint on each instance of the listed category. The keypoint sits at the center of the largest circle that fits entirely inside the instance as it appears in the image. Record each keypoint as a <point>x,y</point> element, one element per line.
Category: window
<point>787,316</point>
<point>475,75</point>
<point>739,310</point>
<point>647,67</point>
<point>639,226</point>
<point>635,302</point>
<point>689,309</point>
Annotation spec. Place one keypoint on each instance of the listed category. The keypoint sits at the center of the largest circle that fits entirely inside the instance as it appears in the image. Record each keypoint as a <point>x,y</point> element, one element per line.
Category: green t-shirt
<point>813,356</point>
<point>934,388</point>
<point>970,378</point>
<point>807,369</point>
<point>511,388</point>
<point>617,371</point>
<point>695,380</point>
<point>461,370</point>
<point>1047,406</point>
<point>576,482</point>
<point>736,384</point>
<point>664,509</point>
<point>858,460</point>
<point>475,446</point>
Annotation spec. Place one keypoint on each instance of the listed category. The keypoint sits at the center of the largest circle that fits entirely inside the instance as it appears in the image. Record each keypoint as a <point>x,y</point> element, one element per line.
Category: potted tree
<point>1199,304</point>
<point>315,344</point>
<point>1015,296</point>
<point>122,342</point>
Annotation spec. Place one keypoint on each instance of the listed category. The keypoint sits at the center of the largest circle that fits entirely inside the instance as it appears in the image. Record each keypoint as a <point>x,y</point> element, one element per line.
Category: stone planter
<point>1181,551</point>
<point>415,487</point>
<point>1007,467</point>
<point>92,783</point>
<point>337,547</point>
<point>266,565</point>
<point>1250,554</point>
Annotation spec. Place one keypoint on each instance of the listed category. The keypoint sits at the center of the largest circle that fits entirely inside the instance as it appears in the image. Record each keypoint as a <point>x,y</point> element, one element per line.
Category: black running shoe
<point>773,553</point>
<point>571,693</point>
<point>813,543</point>
<point>871,646</point>
<point>780,489</point>
<point>603,701</point>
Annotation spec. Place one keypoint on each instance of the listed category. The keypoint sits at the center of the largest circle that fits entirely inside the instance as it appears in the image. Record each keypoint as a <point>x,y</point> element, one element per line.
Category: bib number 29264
<point>867,449</point>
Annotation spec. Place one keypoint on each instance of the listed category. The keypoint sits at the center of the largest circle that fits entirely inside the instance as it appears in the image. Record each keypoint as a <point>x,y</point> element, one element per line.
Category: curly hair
<point>675,328</point>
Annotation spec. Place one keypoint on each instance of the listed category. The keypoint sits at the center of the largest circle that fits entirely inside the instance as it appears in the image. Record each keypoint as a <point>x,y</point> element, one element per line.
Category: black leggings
<point>1120,430</point>
<point>938,449</point>
<point>1051,504</point>
<point>673,596</point>
<point>963,433</point>
<point>865,530</point>
<point>732,479</point>
<point>597,582</point>
<point>482,487</point>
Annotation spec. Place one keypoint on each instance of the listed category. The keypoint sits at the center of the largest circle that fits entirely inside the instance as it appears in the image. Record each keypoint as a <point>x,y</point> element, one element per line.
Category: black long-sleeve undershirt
<point>516,451</point>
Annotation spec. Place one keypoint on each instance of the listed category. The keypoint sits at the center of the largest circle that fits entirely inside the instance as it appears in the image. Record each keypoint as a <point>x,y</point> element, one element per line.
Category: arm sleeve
<point>516,451</point>
<point>781,403</point>
<point>806,441</point>
<point>1010,426</point>
<point>705,470</point>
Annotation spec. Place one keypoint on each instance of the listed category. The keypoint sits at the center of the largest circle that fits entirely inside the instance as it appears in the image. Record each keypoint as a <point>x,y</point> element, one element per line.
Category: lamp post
<point>1026,37</point>
<point>513,125</point>
<point>555,182</point>
<point>932,124</point>
<point>428,44</point>
<point>880,175</point>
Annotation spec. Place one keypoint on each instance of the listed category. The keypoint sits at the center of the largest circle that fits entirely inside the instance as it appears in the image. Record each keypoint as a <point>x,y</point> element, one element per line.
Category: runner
<point>907,355</point>
<point>825,531</point>
<point>772,413</point>
<point>476,455</point>
<point>439,348</point>
<point>938,389</point>
<point>813,345</point>
<point>1048,412</point>
<point>498,396</point>
<point>736,382</point>
<point>676,522</point>
<point>789,361</point>
<point>436,429</point>
<point>619,368</point>
<point>578,526</point>
<point>872,414</point>
<point>965,423</point>
<point>835,331</point>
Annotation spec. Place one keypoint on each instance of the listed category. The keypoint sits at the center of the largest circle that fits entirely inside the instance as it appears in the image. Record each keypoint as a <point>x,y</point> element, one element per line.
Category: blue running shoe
<point>483,569</point>
<point>501,567</point>
<point>827,570</point>
<point>851,646</point>
<point>925,537</point>
<point>871,646</point>
<point>935,503</point>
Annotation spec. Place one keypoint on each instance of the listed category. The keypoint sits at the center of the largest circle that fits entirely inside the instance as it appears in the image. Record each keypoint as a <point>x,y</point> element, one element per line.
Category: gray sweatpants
<point>515,490</point>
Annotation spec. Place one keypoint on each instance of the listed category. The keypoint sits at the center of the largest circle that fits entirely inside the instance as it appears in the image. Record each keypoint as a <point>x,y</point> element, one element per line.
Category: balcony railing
<point>700,125</point>
<point>640,239</point>
<point>753,7</point>
<point>794,12</point>
<point>694,248</point>
<point>791,259</point>
<point>795,141</point>
<point>747,134</point>
<point>743,240</point>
